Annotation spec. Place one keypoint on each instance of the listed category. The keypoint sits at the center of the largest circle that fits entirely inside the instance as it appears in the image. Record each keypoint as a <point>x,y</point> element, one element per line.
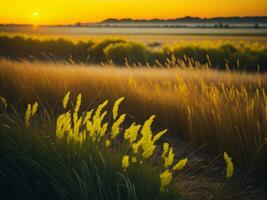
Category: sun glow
<point>35,14</point>
<point>35,18</point>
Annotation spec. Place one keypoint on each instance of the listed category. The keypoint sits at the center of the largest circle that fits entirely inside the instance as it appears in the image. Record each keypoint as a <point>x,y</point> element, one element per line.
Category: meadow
<point>133,100</point>
<point>220,108</point>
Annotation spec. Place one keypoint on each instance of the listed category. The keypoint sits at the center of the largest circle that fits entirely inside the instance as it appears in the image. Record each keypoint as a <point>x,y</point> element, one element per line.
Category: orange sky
<point>71,11</point>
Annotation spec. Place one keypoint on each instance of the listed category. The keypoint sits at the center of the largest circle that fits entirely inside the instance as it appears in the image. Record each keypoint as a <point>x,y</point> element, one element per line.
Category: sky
<point>72,11</point>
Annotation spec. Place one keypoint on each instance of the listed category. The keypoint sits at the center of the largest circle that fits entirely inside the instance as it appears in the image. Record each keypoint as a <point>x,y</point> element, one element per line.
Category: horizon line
<point>138,19</point>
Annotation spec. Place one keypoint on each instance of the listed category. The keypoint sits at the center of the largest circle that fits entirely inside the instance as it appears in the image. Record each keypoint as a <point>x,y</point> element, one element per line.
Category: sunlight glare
<point>35,14</point>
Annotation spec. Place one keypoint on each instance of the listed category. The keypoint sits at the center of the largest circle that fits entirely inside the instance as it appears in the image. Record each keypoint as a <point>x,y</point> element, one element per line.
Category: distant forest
<point>188,19</point>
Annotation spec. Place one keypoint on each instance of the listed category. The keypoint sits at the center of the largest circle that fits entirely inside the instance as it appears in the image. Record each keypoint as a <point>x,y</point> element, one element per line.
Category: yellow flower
<point>102,131</point>
<point>147,142</point>
<point>116,107</point>
<point>229,165</point>
<point>63,125</point>
<point>115,129</point>
<point>98,131</point>
<point>87,117</point>
<point>131,133</point>
<point>149,145</point>
<point>181,164</point>
<point>94,127</point>
<point>158,135</point>
<point>146,130</point>
<point>125,162</point>
<point>135,147</point>
<point>30,112</point>
<point>28,115</point>
<point>99,109</point>
<point>165,150</point>
<point>78,103</point>
<point>76,126</point>
<point>34,108</point>
<point>3,100</point>
<point>66,100</point>
<point>169,159</point>
<point>59,126</point>
<point>79,128</point>
<point>148,150</point>
<point>165,179</point>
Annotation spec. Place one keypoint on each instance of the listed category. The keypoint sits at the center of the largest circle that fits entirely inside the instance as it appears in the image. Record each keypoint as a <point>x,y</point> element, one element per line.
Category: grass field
<point>133,100</point>
<point>220,110</point>
<point>208,107</point>
<point>225,110</point>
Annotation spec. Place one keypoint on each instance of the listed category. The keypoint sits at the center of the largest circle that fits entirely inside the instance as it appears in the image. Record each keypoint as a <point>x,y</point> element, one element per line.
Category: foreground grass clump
<point>245,56</point>
<point>90,126</point>
<point>74,161</point>
<point>71,159</point>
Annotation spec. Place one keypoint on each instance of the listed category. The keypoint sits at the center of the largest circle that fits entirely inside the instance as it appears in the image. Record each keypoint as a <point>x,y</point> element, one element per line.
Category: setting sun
<point>35,14</point>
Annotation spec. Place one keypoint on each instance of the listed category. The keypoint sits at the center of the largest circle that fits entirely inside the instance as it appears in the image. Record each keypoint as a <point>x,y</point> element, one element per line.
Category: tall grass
<point>39,160</point>
<point>246,56</point>
<point>82,156</point>
<point>224,110</point>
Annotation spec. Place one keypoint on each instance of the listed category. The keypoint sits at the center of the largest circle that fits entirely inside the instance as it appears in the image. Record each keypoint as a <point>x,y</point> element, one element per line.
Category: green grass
<point>245,56</point>
<point>36,165</point>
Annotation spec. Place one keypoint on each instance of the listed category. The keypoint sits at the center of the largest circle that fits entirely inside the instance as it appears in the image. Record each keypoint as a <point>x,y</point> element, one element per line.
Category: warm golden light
<point>35,18</point>
<point>72,11</point>
<point>35,14</point>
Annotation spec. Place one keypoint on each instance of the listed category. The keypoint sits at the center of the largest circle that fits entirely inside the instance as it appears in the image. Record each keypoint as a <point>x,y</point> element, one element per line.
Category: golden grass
<point>227,110</point>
